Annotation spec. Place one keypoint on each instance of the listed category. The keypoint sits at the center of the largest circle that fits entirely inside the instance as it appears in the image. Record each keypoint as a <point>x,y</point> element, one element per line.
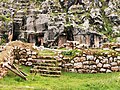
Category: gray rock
<point>85,62</point>
<point>90,57</point>
<point>97,61</point>
<point>113,64</point>
<point>108,71</point>
<point>86,66</point>
<point>118,41</point>
<point>93,71</point>
<point>99,65</point>
<point>102,70</point>
<point>78,65</point>
<point>92,67</point>
<point>106,66</point>
<point>115,69</point>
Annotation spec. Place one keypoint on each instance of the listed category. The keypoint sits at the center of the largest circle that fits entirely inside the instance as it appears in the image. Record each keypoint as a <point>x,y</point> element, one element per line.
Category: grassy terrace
<point>67,81</point>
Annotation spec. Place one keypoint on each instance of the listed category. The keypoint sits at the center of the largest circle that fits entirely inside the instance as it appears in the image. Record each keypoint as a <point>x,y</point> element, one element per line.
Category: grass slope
<point>67,81</point>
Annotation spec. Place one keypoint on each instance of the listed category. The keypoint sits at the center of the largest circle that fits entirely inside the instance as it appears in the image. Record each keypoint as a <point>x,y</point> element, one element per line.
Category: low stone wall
<point>92,63</point>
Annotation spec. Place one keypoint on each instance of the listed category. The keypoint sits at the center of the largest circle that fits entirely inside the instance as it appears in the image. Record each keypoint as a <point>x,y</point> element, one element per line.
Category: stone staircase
<point>47,67</point>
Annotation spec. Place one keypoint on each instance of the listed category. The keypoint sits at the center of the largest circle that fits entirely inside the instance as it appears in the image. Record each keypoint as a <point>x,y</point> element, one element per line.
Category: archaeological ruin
<point>79,33</point>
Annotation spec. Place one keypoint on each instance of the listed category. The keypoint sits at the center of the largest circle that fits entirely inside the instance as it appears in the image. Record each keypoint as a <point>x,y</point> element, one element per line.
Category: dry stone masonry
<point>26,54</point>
<point>93,62</point>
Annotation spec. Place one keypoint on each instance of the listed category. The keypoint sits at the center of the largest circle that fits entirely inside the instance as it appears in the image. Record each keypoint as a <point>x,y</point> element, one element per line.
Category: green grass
<point>67,81</point>
<point>46,53</point>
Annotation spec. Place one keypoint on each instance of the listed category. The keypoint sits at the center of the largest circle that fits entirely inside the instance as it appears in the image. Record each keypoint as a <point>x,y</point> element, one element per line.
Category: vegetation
<point>67,81</point>
<point>46,53</point>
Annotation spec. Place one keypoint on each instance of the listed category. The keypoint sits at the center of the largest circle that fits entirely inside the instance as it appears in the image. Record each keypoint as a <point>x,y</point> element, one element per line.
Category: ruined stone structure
<point>92,62</point>
<point>26,54</point>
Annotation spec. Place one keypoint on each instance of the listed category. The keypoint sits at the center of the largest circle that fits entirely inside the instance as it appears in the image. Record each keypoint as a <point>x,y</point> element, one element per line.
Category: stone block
<point>111,59</point>
<point>92,62</point>
<point>93,71</point>
<point>93,66</point>
<point>90,57</point>
<point>118,57</point>
<point>97,61</point>
<point>99,65</point>
<point>71,70</point>
<point>118,62</point>
<point>72,61</point>
<point>86,63</point>
<point>113,64</point>
<point>102,70</point>
<point>78,65</point>
<point>104,61</point>
<point>115,69</point>
<point>106,66</point>
<point>100,57</point>
<point>108,71</point>
<point>80,70</point>
<point>82,58</point>
<point>86,66</point>
<point>76,59</point>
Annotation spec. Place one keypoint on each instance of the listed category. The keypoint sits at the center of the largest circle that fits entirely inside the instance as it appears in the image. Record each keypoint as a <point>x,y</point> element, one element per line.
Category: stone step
<point>45,61</point>
<point>47,68</point>
<point>46,57</point>
<point>45,64</point>
<point>44,71</point>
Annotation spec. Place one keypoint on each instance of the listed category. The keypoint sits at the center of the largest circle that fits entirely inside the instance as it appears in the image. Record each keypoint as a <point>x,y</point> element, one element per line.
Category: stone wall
<point>27,54</point>
<point>14,52</point>
<point>102,62</point>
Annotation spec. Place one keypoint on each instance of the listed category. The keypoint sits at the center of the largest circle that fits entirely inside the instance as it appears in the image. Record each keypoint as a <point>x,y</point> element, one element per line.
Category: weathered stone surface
<point>86,66</point>
<point>115,69</point>
<point>118,62</point>
<point>82,58</point>
<point>90,57</point>
<point>118,57</point>
<point>103,70</point>
<point>108,71</point>
<point>106,66</point>
<point>85,62</point>
<point>93,66</point>
<point>92,62</point>
<point>97,61</point>
<point>99,65</point>
<point>104,61</point>
<point>78,65</point>
<point>93,71</point>
<point>113,64</point>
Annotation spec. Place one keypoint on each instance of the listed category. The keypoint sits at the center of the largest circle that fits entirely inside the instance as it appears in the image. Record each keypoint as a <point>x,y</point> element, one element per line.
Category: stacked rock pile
<point>93,62</point>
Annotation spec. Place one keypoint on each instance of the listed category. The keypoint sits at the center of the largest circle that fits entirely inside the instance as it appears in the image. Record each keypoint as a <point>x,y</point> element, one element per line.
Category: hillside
<point>99,16</point>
